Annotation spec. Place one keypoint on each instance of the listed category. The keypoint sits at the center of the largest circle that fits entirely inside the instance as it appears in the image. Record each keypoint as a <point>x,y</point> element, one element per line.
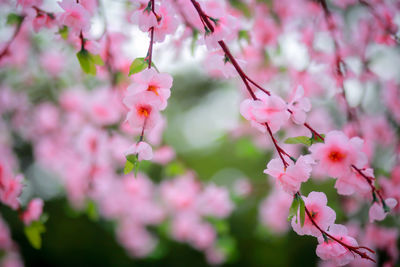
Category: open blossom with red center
<point>267,109</point>
<point>338,153</point>
<point>321,214</point>
<point>290,178</point>
<point>143,110</point>
<point>332,250</point>
<point>150,80</point>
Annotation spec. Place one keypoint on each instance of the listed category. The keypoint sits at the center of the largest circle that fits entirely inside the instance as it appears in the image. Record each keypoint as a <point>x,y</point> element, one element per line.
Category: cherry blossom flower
<point>354,182</point>
<point>322,215</point>
<point>299,105</point>
<point>33,211</point>
<point>142,149</point>
<point>377,213</point>
<point>274,210</point>
<point>338,153</point>
<point>332,250</point>
<point>164,155</point>
<point>145,18</point>
<point>290,178</point>
<point>10,188</point>
<point>167,24</point>
<point>268,109</point>
<point>214,201</point>
<point>144,110</point>
<point>151,81</point>
<point>75,16</point>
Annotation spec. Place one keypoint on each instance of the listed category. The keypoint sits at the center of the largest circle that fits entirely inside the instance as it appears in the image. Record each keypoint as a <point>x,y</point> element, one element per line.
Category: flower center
<point>153,88</point>
<point>336,156</point>
<point>144,111</point>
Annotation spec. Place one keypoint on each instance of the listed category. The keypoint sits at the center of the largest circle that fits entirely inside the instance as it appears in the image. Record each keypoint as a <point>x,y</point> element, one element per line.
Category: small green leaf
<point>33,233</point>
<point>294,208</point>
<point>227,245</point>
<point>13,19</point>
<point>91,211</point>
<point>299,140</point>
<point>385,207</point>
<point>325,237</point>
<point>138,65</point>
<point>374,198</point>
<point>316,139</point>
<point>63,32</point>
<point>302,211</point>
<point>174,168</point>
<point>86,62</point>
<point>96,59</point>
<point>132,163</point>
<point>195,37</point>
<point>243,34</point>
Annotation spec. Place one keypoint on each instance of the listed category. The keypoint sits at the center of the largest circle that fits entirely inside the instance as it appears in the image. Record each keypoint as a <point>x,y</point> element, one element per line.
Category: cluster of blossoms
<point>81,136</point>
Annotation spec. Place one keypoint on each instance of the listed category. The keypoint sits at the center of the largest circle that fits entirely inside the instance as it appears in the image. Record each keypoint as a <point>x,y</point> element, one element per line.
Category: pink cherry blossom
<point>290,178</point>
<point>53,62</point>
<point>145,18</point>
<point>168,23</point>
<point>142,149</point>
<point>151,81</point>
<point>164,155</point>
<point>144,110</point>
<point>274,211</point>
<point>377,213</point>
<point>268,109</point>
<point>338,153</point>
<point>29,3</point>
<point>75,16</point>
<point>332,250</point>
<point>299,105</point>
<point>354,183</point>
<point>181,193</point>
<point>214,201</point>
<point>33,211</point>
<point>10,187</point>
<point>322,215</point>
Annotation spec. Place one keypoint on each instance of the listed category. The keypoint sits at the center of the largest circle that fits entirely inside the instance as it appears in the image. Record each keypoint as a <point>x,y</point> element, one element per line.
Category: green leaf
<point>138,65</point>
<point>33,233</point>
<point>132,163</point>
<point>299,140</point>
<point>96,59</point>
<point>243,34</point>
<point>64,32</point>
<point>385,207</point>
<point>294,208</point>
<point>227,245</point>
<point>174,168</point>
<point>316,139</point>
<point>91,211</point>
<point>195,37</point>
<point>86,63</point>
<point>13,19</point>
<point>89,61</point>
<point>302,211</point>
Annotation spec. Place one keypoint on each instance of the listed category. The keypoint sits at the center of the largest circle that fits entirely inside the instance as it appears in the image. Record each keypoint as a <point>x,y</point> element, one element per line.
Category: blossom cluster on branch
<point>97,135</point>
